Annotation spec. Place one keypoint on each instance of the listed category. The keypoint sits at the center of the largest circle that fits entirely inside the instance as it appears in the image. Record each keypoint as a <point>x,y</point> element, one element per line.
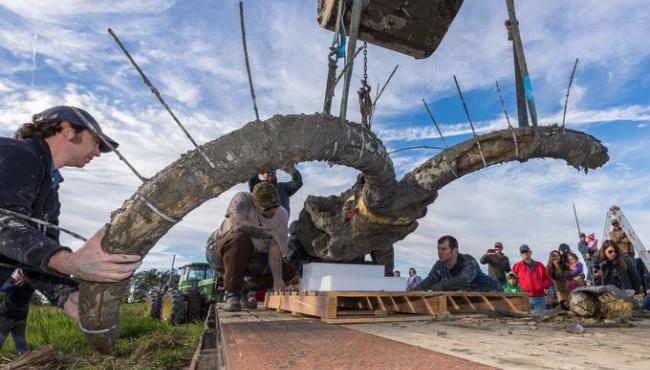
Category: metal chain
<point>365,101</point>
<point>365,63</point>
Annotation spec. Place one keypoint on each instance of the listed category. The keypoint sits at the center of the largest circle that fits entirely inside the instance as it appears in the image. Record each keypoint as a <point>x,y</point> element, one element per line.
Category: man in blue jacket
<point>456,272</point>
<point>58,137</point>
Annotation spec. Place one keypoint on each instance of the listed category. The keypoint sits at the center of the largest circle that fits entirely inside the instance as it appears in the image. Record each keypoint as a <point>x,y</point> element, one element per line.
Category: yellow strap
<point>382,220</point>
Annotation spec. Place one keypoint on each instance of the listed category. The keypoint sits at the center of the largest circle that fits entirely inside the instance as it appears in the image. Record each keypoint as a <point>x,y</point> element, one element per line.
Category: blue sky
<point>192,51</point>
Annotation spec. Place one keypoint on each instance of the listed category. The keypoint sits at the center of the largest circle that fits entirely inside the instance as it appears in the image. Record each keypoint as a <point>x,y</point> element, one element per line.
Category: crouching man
<point>456,272</point>
<point>251,242</point>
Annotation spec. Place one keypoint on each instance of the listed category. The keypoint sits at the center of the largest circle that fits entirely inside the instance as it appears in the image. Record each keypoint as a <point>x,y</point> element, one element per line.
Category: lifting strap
<point>382,220</point>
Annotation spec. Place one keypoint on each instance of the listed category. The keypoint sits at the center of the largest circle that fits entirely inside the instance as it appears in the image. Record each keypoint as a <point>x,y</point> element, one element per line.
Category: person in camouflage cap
<point>251,242</point>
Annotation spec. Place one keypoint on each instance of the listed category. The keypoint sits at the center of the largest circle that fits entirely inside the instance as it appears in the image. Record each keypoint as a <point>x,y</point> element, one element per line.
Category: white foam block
<point>353,283</point>
<point>318,269</point>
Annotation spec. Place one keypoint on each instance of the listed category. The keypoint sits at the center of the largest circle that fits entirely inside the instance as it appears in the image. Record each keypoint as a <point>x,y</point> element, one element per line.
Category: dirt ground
<point>526,343</point>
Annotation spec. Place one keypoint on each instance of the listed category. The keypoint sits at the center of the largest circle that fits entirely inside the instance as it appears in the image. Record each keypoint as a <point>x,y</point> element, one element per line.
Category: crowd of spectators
<point>548,286</point>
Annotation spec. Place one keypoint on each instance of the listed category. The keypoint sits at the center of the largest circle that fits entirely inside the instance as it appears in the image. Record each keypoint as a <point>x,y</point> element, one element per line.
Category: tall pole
<point>355,20</point>
<point>171,271</point>
<point>575,214</point>
<point>520,61</point>
<point>522,110</point>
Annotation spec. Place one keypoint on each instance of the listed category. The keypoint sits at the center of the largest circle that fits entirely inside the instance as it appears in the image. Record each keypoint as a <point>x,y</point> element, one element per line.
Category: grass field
<point>143,343</point>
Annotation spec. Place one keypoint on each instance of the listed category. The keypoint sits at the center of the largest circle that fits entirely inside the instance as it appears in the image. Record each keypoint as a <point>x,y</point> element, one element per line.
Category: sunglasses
<point>525,252</point>
<point>610,251</point>
<point>269,208</point>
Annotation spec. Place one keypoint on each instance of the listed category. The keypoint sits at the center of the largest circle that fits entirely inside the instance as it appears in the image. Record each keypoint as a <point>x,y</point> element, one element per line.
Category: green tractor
<point>198,287</point>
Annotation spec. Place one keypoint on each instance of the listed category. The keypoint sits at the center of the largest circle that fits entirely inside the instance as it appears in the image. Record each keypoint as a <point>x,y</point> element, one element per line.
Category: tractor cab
<point>191,274</point>
<point>198,287</point>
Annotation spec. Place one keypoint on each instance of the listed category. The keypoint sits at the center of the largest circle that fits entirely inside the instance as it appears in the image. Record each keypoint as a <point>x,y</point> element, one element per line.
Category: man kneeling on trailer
<point>456,272</point>
<point>251,242</point>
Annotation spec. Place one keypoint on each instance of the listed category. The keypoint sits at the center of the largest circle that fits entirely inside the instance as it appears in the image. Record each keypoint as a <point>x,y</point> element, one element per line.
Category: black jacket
<point>610,275</point>
<point>285,189</point>
<point>26,187</point>
<point>16,303</point>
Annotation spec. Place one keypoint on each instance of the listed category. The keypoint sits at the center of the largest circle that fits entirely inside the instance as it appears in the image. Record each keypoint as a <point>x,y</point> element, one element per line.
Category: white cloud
<point>578,119</point>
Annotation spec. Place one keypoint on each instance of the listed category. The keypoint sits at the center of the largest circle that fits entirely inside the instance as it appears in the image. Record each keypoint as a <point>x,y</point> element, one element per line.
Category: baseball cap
<point>77,117</point>
<point>498,244</point>
<point>265,196</point>
<point>564,248</point>
<point>524,248</point>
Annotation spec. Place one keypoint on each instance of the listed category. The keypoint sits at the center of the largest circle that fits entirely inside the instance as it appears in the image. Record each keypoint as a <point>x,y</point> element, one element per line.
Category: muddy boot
<point>249,302</point>
<point>232,302</point>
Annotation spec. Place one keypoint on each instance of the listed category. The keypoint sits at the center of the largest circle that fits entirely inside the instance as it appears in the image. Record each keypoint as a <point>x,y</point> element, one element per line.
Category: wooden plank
<point>453,303</point>
<point>314,305</point>
<point>487,302</point>
<point>373,319</point>
<point>379,293</point>
<point>327,304</point>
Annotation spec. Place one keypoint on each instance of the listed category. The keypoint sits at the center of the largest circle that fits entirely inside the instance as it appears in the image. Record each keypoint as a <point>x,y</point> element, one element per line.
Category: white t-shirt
<point>242,208</point>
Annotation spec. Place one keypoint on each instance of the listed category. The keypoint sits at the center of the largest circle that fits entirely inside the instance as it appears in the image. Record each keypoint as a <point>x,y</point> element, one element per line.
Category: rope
<point>505,111</point>
<point>469,119</point>
<point>416,147</point>
<point>155,91</point>
<point>248,67</point>
<point>108,143</point>
<point>566,100</point>
<point>41,222</point>
<point>372,109</point>
<point>426,107</point>
<point>36,271</point>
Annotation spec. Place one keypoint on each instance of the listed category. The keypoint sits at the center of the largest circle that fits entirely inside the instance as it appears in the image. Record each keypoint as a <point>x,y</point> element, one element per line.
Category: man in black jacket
<point>285,189</point>
<point>29,183</point>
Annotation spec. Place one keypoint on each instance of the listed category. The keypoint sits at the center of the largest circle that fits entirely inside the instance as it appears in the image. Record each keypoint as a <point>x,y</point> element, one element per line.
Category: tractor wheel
<point>173,308</point>
<point>152,305</point>
<point>194,305</point>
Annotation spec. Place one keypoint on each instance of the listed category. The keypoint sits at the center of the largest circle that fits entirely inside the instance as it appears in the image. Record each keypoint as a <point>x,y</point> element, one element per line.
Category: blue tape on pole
<point>528,88</point>
<point>340,53</point>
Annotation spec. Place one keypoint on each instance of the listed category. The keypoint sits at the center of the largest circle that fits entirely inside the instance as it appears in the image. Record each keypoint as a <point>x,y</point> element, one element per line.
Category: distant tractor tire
<point>152,305</point>
<point>194,305</point>
<point>173,308</point>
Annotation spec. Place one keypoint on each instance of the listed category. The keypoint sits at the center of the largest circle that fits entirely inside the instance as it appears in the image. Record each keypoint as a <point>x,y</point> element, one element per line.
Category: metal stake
<point>469,119</point>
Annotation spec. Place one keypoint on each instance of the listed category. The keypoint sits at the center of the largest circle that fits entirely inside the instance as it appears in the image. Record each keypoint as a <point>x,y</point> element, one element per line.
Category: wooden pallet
<point>358,307</point>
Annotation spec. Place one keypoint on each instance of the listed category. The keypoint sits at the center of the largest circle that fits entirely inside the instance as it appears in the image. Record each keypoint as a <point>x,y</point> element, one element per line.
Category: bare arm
<point>91,263</point>
<point>275,263</point>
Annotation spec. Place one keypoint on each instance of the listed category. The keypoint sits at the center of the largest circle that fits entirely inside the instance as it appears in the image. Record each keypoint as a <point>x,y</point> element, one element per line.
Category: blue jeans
<point>589,264</point>
<point>537,303</point>
<point>18,335</point>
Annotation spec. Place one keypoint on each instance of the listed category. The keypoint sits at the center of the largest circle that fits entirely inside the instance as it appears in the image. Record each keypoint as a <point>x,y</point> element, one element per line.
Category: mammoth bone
<point>387,208</point>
